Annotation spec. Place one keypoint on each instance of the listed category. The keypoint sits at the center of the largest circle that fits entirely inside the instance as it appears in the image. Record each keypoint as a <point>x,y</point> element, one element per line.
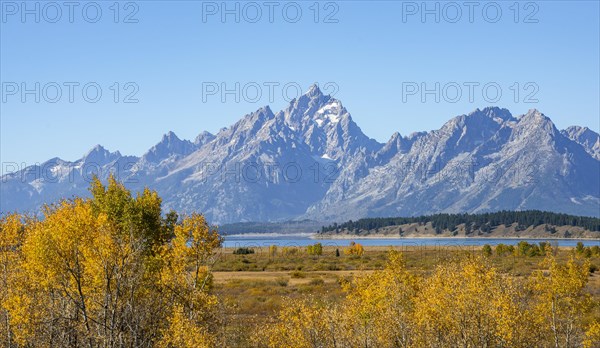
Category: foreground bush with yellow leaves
<point>108,271</point>
<point>463,303</point>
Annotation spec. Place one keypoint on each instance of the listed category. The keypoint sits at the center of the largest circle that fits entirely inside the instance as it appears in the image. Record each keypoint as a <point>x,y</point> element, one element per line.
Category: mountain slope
<point>311,160</point>
<point>585,137</point>
<point>484,161</point>
<point>268,166</point>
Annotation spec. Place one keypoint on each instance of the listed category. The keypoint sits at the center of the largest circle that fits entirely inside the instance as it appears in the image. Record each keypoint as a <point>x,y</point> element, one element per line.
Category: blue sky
<point>369,52</point>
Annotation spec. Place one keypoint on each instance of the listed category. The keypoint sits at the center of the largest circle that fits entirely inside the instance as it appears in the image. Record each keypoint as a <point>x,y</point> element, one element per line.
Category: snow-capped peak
<point>329,113</point>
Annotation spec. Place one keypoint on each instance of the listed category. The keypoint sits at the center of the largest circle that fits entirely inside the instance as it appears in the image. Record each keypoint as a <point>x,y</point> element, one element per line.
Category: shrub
<point>503,249</point>
<point>316,282</point>
<point>354,249</point>
<point>298,274</point>
<point>315,249</point>
<point>289,251</point>
<point>243,251</point>
<point>282,281</point>
<point>487,250</point>
<point>526,249</point>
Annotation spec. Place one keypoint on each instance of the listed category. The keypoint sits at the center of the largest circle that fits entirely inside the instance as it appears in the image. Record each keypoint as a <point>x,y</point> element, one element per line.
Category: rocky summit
<point>312,161</point>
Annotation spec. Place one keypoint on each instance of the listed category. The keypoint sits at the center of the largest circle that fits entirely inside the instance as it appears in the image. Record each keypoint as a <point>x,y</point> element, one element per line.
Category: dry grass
<point>254,287</point>
<point>268,276</point>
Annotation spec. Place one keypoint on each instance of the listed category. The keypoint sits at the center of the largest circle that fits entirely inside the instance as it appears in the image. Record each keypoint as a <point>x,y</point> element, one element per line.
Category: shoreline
<point>381,236</point>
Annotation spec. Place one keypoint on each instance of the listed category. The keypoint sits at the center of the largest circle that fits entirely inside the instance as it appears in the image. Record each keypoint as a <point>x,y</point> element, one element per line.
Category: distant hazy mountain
<point>311,160</point>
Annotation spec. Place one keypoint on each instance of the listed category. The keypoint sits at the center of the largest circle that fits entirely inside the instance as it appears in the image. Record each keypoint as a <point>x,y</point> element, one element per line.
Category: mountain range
<point>312,161</point>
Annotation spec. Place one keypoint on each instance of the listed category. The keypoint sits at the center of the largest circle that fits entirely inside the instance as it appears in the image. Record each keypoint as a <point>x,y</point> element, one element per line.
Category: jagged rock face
<point>585,137</point>
<point>311,160</point>
<point>325,126</point>
<point>29,189</point>
<point>203,138</point>
<point>483,161</point>
<point>171,147</point>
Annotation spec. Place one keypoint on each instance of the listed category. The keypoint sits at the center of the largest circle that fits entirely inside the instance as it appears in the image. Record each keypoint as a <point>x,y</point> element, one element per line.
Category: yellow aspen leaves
<point>108,271</point>
<point>113,271</point>
<point>185,333</point>
<point>355,249</point>
<point>463,302</point>
<point>561,299</point>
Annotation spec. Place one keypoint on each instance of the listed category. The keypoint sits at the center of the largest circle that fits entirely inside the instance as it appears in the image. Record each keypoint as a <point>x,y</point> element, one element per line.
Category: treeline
<point>484,222</point>
<point>269,227</point>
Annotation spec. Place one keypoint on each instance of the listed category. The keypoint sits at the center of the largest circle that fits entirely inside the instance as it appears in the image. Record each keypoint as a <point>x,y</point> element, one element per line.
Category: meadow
<point>255,287</point>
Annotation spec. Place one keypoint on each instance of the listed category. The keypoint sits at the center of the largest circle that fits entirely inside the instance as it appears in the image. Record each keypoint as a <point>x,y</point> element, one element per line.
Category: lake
<point>300,240</point>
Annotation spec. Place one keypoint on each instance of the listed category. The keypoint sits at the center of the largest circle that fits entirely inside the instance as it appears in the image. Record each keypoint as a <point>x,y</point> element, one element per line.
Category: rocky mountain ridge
<point>312,161</point>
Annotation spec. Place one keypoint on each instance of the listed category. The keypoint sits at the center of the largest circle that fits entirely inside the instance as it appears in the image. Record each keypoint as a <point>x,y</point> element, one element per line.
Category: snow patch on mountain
<point>311,160</point>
